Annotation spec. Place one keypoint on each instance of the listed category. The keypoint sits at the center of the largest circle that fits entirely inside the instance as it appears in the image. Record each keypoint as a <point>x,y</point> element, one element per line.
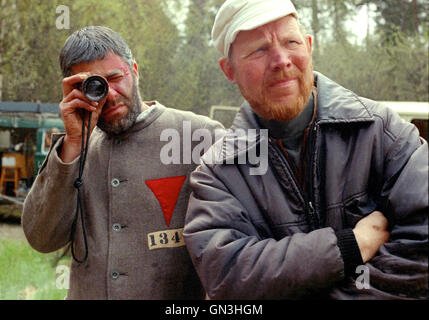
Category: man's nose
<point>112,94</point>
<point>280,59</point>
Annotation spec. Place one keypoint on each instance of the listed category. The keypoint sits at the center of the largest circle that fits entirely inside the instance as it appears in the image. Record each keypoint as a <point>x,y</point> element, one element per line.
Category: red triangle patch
<point>167,191</point>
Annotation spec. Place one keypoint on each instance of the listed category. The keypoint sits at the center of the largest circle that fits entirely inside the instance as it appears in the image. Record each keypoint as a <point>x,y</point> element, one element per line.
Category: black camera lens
<point>95,88</point>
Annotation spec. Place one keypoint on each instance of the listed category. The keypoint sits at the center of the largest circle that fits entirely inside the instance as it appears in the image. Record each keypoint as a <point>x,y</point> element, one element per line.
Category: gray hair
<point>92,43</point>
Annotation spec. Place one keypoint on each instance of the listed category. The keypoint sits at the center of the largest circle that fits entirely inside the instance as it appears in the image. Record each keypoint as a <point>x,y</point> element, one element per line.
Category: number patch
<point>165,239</point>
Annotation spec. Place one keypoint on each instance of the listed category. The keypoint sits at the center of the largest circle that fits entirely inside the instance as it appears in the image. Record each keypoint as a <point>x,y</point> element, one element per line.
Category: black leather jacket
<point>262,236</point>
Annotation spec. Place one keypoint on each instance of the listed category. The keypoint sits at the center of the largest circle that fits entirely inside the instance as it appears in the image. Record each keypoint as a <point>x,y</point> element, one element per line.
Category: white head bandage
<point>238,15</point>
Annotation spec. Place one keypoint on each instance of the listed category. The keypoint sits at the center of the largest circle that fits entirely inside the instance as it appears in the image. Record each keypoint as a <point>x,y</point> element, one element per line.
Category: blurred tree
<point>30,47</point>
<point>406,16</point>
<point>29,50</point>
<point>198,82</point>
<point>171,42</point>
<point>315,25</point>
<point>339,12</point>
<point>4,11</point>
<point>327,21</point>
<point>395,72</point>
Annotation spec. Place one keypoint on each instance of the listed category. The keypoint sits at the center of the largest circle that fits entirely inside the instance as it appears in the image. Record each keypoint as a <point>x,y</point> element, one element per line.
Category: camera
<point>95,88</point>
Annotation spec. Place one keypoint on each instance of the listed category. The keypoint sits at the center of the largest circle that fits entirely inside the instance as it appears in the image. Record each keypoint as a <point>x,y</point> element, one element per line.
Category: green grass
<point>27,274</point>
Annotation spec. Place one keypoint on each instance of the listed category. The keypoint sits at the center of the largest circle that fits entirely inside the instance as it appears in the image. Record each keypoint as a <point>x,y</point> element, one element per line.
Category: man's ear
<point>226,66</point>
<point>309,42</point>
<point>136,70</point>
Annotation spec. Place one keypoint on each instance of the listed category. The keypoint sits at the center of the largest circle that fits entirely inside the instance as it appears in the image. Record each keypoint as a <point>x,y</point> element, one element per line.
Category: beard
<point>269,109</point>
<point>134,106</point>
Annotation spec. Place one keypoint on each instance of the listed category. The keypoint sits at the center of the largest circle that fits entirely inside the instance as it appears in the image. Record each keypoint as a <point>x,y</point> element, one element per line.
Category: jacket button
<point>114,275</point>
<point>116,227</point>
<point>115,182</point>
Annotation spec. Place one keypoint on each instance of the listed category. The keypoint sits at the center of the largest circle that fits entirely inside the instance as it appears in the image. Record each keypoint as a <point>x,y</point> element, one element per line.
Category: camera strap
<point>78,184</point>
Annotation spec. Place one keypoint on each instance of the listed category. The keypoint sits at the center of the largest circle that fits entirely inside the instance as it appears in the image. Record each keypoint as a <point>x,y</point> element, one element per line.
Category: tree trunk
<point>2,32</point>
<point>367,26</point>
<point>416,16</point>
<point>315,26</point>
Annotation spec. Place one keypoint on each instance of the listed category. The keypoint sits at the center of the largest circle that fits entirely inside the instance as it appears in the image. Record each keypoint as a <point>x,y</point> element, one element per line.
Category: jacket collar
<point>337,104</point>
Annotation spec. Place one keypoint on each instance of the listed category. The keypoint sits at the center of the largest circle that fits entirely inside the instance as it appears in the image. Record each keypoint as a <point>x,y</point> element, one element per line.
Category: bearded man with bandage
<point>341,211</point>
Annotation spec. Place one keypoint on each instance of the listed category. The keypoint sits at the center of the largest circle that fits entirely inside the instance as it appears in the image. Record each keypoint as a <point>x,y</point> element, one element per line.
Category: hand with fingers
<point>75,108</point>
<point>371,233</point>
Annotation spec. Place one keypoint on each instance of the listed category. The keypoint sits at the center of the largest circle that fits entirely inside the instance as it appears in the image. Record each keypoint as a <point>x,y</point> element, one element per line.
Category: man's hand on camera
<point>371,233</point>
<point>72,109</point>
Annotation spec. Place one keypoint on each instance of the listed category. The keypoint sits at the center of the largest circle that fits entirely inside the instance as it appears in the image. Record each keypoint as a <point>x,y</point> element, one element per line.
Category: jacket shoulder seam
<point>385,129</point>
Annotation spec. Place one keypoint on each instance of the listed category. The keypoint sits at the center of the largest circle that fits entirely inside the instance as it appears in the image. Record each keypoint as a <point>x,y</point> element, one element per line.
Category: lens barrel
<point>95,88</point>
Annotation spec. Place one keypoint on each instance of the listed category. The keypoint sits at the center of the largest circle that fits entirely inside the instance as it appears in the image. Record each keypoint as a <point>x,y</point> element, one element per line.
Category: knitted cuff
<point>349,249</point>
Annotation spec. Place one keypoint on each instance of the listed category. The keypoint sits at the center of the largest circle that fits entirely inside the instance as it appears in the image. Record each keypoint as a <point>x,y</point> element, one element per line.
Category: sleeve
<point>401,266</point>
<point>349,249</point>
<point>50,205</point>
<point>236,259</point>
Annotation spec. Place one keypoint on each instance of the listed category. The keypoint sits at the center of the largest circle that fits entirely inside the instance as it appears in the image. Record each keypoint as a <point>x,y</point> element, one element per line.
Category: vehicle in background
<point>25,130</point>
<point>414,112</point>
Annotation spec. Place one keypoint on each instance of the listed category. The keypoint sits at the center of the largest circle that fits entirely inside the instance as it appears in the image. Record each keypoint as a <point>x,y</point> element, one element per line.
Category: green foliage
<point>395,72</point>
<point>404,16</point>
<point>27,274</point>
<point>199,83</point>
<point>30,48</point>
<point>178,66</point>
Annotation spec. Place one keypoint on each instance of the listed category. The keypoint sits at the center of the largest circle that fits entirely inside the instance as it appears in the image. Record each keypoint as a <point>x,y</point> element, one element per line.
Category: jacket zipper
<point>312,214</point>
<point>310,189</point>
<point>290,172</point>
<point>306,202</point>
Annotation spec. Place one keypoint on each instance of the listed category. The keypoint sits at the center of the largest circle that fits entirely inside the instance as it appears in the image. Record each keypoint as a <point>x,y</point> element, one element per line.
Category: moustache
<point>115,102</point>
<point>282,75</point>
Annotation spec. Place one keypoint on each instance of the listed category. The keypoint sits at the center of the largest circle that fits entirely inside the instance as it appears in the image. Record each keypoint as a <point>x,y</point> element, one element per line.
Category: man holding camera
<point>123,214</point>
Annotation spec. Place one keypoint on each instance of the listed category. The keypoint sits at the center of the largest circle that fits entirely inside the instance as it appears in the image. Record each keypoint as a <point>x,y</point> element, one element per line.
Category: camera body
<point>95,88</point>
